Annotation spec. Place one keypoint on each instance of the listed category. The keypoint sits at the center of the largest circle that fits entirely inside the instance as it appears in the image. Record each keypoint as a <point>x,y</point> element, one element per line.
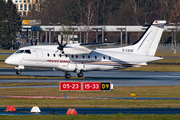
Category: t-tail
<point>148,43</point>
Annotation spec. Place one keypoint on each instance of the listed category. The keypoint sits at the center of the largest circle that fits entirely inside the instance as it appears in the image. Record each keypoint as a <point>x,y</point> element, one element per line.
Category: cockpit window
<point>20,51</point>
<point>27,51</point>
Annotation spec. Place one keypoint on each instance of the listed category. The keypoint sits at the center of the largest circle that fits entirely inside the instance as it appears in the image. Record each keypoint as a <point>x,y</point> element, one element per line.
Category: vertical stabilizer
<point>148,43</point>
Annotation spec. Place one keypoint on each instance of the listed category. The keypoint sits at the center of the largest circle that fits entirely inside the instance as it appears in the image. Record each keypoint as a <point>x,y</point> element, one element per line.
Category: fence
<point>169,48</point>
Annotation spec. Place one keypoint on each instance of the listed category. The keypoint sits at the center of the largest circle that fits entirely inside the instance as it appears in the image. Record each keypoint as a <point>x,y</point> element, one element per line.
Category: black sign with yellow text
<point>105,86</point>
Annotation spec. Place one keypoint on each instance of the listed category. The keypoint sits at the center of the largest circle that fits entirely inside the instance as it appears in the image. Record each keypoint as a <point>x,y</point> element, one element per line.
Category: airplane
<point>83,57</point>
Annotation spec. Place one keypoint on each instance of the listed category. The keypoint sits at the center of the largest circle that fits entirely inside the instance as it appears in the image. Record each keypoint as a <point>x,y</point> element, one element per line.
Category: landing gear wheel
<point>67,76</point>
<point>80,74</point>
<point>18,72</point>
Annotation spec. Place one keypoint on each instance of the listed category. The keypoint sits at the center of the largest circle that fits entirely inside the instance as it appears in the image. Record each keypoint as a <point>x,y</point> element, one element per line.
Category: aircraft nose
<point>9,60</point>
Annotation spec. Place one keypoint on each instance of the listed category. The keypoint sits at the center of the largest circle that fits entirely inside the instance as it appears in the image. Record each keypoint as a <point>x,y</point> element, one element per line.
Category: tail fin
<point>148,43</point>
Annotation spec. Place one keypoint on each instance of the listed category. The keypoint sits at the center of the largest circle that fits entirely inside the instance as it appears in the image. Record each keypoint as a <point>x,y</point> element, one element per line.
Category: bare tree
<point>175,13</point>
<point>89,16</point>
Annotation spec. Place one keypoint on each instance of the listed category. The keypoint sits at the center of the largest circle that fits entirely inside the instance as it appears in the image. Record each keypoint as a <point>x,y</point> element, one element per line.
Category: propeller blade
<point>58,42</point>
<point>36,42</point>
<point>31,42</point>
<point>56,51</point>
<point>60,47</point>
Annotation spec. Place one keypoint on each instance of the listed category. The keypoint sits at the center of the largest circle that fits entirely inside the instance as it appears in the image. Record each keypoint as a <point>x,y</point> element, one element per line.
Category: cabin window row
<point>83,56</point>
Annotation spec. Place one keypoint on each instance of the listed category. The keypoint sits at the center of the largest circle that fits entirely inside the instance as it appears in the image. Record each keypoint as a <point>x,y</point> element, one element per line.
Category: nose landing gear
<point>18,69</point>
<point>18,72</point>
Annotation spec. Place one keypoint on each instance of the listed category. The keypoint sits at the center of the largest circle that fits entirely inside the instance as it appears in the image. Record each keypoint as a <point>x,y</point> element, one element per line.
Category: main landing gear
<point>18,72</point>
<point>68,76</point>
<point>80,74</point>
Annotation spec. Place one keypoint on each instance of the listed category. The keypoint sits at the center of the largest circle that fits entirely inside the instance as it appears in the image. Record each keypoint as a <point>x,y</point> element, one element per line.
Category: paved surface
<point>118,78</point>
<point>95,111</point>
<point>96,74</point>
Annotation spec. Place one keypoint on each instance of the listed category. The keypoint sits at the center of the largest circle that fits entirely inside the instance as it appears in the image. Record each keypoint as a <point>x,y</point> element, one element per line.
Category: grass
<point>140,91</point>
<point>88,103</point>
<point>94,117</point>
<point>26,84</point>
<point>3,57</point>
<point>144,91</point>
<point>8,51</point>
<point>155,67</point>
<point>168,57</point>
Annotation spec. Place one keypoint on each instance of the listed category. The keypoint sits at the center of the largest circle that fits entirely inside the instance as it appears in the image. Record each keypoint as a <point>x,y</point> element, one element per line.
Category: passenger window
<point>83,57</point>
<point>109,58</point>
<point>95,57</point>
<point>59,55</point>
<point>54,55</point>
<point>27,51</point>
<point>72,56</point>
<point>76,56</point>
<point>48,54</point>
<point>66,55</point>
<point>89,57</point>
<point>104,57</point>
<point>20,51</point>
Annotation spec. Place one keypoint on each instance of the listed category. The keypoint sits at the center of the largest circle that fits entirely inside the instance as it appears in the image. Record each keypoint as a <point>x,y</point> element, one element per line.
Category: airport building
<point>25,6</point>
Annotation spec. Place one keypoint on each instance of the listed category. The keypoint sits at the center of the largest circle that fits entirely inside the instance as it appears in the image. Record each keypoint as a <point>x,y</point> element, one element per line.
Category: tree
<point>108,12</point>
<point>11,24</point>
<point>175,13</point>
<point>2,15</point>
<point>89,17</point>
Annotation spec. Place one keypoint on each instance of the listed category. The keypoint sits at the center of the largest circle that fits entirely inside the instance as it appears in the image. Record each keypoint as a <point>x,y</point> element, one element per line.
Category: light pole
<point>49,34</point>
<point>121,29</point>
<point>73,32</point>
<point>173,38</point>
<point>79,26</point>
<point>54,27</point>
<point>97,32</point>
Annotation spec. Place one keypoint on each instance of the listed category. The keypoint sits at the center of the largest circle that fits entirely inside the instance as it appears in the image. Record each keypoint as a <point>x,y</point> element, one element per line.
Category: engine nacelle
<point>76,49</point>
<point>71,67</point>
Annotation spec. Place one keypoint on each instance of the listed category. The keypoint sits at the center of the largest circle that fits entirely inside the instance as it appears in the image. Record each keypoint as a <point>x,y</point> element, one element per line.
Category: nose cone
<point>9,60</point>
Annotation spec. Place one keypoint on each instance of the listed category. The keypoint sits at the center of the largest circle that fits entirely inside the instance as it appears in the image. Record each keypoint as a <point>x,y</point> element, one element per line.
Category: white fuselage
<point>83,57</point>
<point>99,59</point>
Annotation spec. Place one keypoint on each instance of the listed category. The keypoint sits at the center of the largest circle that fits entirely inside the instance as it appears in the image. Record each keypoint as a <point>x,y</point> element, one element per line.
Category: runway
<point>94,111</point>
<point>117,78</point>
<point>96,74</point>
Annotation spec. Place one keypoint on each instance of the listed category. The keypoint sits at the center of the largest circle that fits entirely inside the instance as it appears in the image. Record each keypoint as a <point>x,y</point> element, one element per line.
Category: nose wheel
<point>18,72</point>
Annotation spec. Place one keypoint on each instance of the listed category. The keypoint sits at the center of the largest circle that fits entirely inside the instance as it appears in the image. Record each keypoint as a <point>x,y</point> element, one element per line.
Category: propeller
<point>60,47</point>
<point>33,43</point>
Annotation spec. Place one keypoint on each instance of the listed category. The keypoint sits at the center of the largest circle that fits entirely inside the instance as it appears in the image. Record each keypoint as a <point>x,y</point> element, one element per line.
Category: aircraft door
<point>39,55</point>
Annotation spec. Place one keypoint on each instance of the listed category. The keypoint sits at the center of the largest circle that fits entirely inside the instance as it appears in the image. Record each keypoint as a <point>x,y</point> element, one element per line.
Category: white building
<point>25,6</point>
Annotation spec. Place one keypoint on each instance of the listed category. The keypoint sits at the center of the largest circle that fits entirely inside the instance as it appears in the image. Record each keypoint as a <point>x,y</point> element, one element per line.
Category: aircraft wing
<point>84,48</point>
<point>76,49</point>
<point>93,46</point>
